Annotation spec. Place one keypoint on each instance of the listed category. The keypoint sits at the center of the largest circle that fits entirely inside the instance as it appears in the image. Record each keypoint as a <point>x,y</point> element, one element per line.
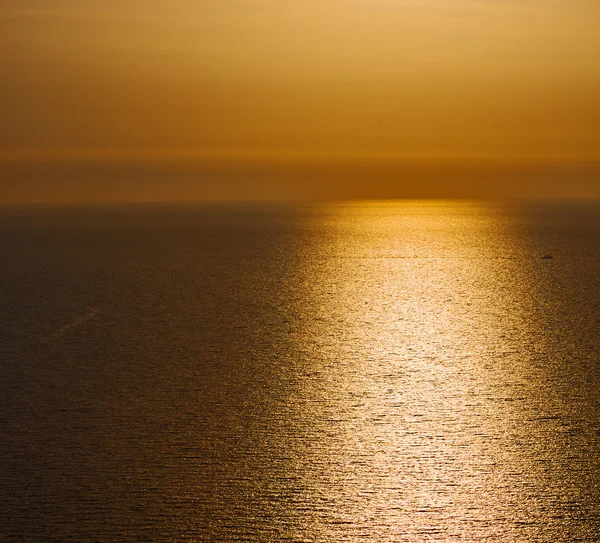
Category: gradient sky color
<point>241,99</point>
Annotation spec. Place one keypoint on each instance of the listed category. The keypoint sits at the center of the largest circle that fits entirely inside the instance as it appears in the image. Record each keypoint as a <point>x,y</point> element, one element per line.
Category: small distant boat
<point>547,257</point>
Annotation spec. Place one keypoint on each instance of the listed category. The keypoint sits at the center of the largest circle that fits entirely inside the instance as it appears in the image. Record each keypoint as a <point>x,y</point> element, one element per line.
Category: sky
<point>117,100</point>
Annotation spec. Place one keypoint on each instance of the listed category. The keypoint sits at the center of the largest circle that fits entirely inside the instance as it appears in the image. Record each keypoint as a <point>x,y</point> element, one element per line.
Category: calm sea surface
<point>356,372</point>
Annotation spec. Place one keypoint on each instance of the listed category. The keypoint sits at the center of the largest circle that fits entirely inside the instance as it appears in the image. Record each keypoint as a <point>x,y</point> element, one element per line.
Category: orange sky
<point>246,99</point>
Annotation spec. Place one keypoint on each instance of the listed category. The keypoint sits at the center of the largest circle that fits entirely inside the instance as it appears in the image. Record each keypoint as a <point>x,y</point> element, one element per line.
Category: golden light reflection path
<point>426,389</point>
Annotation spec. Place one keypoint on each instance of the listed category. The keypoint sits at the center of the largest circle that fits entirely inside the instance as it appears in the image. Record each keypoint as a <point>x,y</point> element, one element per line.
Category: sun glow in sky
<point>259,99</point>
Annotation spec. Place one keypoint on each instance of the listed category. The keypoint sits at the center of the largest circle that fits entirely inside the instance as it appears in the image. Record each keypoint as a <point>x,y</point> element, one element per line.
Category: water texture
<point>373,372</point>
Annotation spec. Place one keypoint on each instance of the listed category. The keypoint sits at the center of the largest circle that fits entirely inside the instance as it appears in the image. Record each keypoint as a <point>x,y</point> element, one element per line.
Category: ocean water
<point>373,372</point>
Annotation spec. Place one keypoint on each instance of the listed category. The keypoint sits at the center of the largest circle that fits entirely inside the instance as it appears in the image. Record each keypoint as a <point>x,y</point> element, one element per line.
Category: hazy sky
<point>152,99</point>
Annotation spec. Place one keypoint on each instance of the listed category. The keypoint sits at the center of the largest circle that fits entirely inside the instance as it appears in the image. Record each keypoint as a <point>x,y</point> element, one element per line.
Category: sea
<point>395,371</point>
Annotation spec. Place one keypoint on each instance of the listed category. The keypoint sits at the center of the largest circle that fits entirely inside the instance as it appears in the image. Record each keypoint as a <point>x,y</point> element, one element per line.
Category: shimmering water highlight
<point>353,372</point>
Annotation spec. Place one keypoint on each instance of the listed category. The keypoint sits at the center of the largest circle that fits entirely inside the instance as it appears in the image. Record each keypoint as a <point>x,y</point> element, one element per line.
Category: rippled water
<point>354,372</point>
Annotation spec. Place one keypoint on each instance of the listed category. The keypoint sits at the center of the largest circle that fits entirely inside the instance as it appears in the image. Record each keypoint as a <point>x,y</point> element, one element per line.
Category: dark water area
<point>411,371</point>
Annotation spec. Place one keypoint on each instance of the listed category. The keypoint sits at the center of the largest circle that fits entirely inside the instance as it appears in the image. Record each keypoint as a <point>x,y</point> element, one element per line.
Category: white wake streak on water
<point>89,315</point>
